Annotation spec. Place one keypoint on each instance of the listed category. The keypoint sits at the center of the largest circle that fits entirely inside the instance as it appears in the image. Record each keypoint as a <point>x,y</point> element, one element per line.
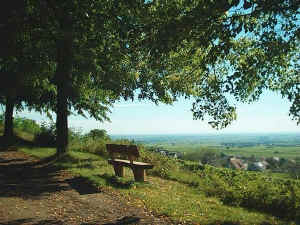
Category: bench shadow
<point>117,182</point>
<point>127,220</point>
<point>11,160</point>
<point>82,185</point>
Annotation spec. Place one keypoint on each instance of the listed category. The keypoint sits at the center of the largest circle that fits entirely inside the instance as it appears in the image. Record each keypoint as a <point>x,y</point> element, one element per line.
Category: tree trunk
<point>8,126</point>
<point>61,121</point>
<point>63,82</point>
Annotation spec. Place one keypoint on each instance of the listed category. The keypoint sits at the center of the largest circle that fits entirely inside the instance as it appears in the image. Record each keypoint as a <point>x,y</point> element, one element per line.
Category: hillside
<point>182,191</point>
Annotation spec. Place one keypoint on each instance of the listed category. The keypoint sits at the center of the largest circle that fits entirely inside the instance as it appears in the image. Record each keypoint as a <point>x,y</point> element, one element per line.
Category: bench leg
<point>139,174</point>
<point>119,170</point>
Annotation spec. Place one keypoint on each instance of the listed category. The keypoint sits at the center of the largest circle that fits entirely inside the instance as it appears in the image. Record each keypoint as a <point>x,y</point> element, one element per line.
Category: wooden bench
<point>131,152</point>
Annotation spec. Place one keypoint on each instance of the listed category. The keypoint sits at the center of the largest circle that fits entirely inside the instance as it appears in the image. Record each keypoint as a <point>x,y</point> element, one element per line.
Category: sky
<point>269,114</point>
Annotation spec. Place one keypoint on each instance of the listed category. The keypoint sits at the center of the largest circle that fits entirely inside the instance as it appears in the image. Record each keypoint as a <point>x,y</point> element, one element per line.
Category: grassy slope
<point>180,201</point>
<point>177,199</point>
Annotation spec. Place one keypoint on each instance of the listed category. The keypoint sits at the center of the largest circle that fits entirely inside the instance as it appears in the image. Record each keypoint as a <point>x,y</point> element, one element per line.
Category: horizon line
<point>208,133</point>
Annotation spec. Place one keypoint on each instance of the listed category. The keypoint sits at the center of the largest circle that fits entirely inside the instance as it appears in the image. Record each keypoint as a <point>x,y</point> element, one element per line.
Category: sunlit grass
<point>38,152</point>
<point>186,204</point>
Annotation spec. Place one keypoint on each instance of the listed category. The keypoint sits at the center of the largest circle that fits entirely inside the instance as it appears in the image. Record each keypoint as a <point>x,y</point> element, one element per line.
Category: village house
<point>236,163</point>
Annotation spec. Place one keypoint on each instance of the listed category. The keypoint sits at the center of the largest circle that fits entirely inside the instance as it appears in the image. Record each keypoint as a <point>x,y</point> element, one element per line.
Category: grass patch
<point>38,152</point>
<point>187,204</point>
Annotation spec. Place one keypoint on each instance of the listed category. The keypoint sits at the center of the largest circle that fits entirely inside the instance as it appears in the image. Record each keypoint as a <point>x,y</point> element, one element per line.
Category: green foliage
<point>2,119</point>
<point>47,135</point>
<point>98,134</point>
<point>95,142</point>
<point>191,166</point>
<point>253,190</point>
<point>96,146</point>
<point>23,124</point>
<point>75,134</point>
<point>163,165</point>
<point>27,125</point>
<point>205,155</point>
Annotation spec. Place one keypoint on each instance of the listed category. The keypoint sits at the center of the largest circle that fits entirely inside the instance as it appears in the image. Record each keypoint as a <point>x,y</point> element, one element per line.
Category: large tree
<point>161,50</point>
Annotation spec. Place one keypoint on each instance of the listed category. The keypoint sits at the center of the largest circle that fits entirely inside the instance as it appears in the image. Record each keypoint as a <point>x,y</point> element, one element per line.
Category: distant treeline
<point>278,139</point>
<point>251,144</point>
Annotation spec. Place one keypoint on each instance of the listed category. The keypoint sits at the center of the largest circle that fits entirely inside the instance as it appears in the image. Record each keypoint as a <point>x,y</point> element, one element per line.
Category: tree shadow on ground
<point>127,220</point>
<point>14,142</point>
<point>11,160</point>
<point>33,222</point>
<point>27,179</point>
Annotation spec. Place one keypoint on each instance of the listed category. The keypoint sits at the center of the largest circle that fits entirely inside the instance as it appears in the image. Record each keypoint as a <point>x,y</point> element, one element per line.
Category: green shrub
<point>163,165</point>
<point>98,134</point>
<point>74,134</point>
<point>1,119</point>
<point>47,135</point>
<point>23,124</point>
<point>26,125</point>
<point>253,190</point>
<point>96,146</point>
<point>192,165</point>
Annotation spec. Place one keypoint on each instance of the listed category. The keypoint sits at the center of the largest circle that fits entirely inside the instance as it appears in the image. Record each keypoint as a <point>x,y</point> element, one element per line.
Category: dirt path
<point>34,193</point>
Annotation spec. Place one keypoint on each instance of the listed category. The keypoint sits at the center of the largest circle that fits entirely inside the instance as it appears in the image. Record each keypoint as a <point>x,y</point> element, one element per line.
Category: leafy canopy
<point>162,50</point>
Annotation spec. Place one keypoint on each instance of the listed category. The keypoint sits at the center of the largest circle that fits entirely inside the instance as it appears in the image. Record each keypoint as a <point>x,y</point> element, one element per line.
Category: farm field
<point>289,152</point>
<point>282,145</point>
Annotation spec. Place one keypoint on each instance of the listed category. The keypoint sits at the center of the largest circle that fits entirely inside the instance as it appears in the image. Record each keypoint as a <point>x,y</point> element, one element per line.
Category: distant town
<point>252,163</point>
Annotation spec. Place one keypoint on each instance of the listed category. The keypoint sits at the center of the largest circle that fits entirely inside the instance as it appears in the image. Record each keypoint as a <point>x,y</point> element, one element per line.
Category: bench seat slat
<point>125,162</point>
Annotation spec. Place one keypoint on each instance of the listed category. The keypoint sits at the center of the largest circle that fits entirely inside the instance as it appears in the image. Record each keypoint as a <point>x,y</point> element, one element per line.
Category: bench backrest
<point>131,151</point>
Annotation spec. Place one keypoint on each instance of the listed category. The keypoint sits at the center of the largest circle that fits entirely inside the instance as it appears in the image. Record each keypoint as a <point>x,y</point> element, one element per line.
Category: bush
<point>253,190</point>
<point>75,134</point>
<point>27,125</point>
<point>90,145</point>
<point>23,124</point>
<point>163,165</point>
<point>2,119</point>
<point>47,135</point>
<point>98,134</point>
<point>94,142</point>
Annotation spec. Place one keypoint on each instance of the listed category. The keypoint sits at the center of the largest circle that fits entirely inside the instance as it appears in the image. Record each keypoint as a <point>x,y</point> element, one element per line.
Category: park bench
<point>131,152</point>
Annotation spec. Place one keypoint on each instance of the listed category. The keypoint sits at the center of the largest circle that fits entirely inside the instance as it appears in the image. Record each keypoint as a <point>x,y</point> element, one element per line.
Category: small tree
<point>98,134</point>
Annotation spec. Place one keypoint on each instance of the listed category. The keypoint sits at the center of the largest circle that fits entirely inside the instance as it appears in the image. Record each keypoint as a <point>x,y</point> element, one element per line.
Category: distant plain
<point>283,145</point>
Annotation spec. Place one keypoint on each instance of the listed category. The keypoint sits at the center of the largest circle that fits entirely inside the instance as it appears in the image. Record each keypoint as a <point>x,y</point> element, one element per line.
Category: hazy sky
<point>270,114</point>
